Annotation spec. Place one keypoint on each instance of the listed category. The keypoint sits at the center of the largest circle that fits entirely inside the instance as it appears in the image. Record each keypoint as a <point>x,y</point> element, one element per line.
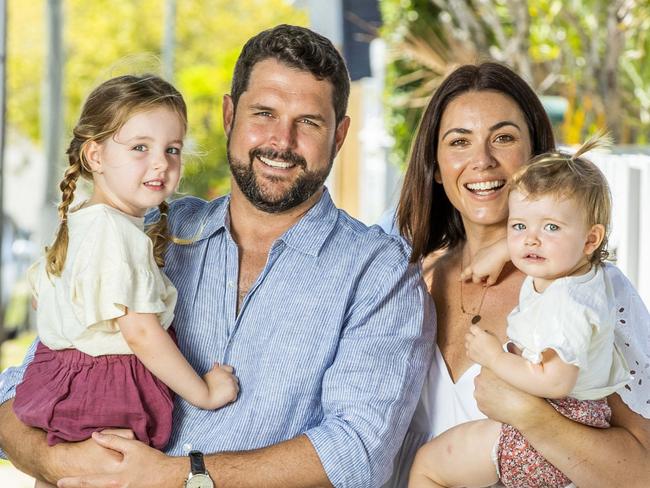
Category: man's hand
<point>481,346</point>
<point>135,466</point>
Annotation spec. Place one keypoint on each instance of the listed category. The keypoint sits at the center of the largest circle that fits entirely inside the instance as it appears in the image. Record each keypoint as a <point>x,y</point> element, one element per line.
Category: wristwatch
<point>198,477</point>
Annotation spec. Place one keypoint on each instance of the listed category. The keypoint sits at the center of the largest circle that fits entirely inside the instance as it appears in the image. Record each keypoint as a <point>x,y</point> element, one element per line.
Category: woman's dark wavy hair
<point>300,48</point>
<point>425,215</point>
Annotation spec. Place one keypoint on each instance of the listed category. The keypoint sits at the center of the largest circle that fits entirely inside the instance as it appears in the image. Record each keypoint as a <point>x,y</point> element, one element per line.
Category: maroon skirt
<point>70,395</point>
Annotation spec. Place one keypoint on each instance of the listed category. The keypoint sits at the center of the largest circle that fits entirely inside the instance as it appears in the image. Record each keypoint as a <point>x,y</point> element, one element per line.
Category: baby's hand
<point>487,264</point>
<point>482,347</point>
<point>223,385</point>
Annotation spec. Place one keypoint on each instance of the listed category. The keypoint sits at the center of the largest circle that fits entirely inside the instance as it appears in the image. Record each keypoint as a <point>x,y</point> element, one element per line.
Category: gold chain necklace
<point>476,313</point>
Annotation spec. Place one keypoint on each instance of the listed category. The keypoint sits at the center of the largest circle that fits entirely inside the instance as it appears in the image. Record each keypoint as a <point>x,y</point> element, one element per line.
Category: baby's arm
<point>487,263</point>
<point>552,378</point>
<point>157,351</point>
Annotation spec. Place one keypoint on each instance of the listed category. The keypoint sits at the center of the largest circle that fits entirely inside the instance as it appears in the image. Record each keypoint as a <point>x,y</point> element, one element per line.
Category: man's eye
<point>551,227</point>
<point>309,122</point>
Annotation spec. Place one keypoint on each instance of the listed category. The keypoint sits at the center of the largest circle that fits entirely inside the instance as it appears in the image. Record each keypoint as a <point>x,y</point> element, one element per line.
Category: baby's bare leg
<point>43,484</point>
<point>461,456</point>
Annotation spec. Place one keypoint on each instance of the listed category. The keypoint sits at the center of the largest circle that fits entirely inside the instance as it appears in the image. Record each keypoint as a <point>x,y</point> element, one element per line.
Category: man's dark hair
<point>300,48</point>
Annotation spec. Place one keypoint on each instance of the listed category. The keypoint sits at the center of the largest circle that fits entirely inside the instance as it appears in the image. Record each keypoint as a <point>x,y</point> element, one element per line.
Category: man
<point>324,321</point>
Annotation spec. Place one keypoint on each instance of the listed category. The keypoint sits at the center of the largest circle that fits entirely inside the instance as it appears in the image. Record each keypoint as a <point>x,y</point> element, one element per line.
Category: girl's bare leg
<point>461,456</point>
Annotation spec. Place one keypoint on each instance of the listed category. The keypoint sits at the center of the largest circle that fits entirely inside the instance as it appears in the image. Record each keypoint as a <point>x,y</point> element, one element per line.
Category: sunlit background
<point>587,59</point>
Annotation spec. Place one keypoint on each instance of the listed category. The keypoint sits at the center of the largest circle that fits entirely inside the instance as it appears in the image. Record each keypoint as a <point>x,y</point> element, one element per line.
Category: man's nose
<point>283,135</point>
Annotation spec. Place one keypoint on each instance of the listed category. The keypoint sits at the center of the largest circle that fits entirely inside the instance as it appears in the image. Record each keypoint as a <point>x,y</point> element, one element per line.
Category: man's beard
<point>305,185</point>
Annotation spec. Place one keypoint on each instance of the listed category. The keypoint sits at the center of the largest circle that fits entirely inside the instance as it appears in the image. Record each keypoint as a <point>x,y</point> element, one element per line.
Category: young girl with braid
<point>105,358</point>
<point>561,335</point>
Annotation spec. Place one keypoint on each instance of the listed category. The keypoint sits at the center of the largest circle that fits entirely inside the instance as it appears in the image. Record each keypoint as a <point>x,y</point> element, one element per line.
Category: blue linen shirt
<point>332,341</point>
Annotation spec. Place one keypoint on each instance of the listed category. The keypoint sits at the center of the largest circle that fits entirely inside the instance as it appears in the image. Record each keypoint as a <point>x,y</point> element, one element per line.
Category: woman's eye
<point>551,227</point>
<point>458,142</point>
<point>502,138</point>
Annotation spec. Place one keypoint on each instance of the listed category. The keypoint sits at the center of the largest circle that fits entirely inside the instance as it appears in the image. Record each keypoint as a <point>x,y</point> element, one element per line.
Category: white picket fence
<point>628,171</point>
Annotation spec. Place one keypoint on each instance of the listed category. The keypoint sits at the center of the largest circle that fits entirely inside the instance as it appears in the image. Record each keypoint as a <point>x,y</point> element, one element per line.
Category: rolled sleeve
<point>10,378</point>
<point>372,388</point>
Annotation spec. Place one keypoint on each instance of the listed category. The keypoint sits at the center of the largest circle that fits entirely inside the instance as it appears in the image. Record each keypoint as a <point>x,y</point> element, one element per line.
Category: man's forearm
<point>589,456</point>
<point>25,446</point>
<point>293,463</point>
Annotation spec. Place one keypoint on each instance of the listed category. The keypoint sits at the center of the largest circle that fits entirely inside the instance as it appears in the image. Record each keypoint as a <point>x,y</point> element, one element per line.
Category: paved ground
<point>10,477</point>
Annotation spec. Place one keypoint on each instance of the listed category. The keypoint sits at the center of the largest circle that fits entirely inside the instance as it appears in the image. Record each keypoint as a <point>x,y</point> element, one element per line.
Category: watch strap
<point>197,465</point>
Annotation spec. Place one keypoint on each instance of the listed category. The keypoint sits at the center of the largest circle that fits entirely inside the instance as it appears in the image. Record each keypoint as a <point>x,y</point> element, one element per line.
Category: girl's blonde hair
<point>105,111</point>
<point>565,175</point>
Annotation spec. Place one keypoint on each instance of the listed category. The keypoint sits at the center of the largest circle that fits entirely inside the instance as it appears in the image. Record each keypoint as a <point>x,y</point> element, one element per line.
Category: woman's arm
<point>618,456</point>
<point>552,378</point>
<point>157,351</point>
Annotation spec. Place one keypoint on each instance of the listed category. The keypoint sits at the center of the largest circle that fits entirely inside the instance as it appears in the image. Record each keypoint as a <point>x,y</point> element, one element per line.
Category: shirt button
<point>231,284</point>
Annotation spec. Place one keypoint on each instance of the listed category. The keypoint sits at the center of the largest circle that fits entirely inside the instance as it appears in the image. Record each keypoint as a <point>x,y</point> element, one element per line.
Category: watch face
<point>199,481</point>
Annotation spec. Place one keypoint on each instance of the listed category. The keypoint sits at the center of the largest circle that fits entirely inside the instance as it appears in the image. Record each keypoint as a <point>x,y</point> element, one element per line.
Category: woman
<point>483,123</point>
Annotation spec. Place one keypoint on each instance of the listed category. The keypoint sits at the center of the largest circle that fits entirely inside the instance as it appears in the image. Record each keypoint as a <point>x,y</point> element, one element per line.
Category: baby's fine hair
<point>571,176</point>
<point>105,111</point>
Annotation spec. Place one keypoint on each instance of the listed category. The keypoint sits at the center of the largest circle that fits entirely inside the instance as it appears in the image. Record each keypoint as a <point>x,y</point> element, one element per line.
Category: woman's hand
<point>504,403</point>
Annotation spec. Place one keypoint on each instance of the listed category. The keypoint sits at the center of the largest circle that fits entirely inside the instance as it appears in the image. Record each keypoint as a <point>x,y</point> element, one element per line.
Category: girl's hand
<point>223,386</point>
<point>487,264</point>
<point>482,347</point>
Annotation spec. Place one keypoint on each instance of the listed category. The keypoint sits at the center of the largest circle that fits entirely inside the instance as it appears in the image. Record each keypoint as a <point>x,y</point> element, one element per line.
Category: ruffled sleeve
<point>34,276</point>
<point>632,336</point>
<point>568,331</point>
<point>115,271</point>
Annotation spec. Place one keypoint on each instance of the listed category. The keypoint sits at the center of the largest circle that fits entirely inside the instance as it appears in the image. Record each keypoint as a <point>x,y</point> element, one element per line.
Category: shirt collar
<point>214,218</point>
<point>307,235</point>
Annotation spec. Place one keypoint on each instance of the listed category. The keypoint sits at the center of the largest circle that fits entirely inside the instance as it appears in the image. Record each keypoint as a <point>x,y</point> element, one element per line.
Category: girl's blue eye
<point>140,147</point>
<point>173,150</point>
<point>551,227</point>
<point>518,226</point>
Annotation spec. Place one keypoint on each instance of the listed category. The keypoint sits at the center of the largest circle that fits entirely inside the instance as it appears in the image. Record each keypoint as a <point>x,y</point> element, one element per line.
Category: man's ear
<point>92,155</point>
<point>341,132</point>
<point>594,238</point>
<point>228,112</point>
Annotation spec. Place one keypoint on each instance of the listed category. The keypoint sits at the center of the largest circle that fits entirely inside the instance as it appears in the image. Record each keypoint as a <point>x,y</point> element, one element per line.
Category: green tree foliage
<point>105,38</point>
<point>591,52</point>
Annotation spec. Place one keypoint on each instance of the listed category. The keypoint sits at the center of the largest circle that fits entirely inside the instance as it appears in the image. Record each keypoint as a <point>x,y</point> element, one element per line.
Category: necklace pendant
<point>476,319</point>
